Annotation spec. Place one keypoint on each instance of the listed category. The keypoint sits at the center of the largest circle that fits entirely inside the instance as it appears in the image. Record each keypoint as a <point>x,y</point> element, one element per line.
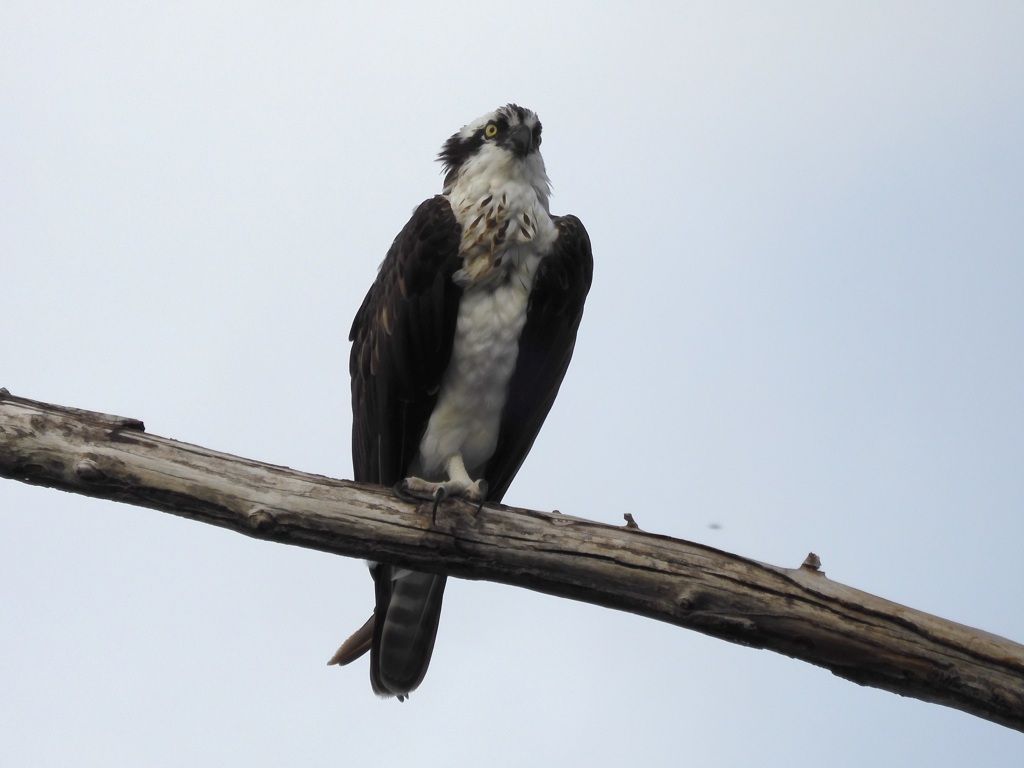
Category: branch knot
<point>261,519</point>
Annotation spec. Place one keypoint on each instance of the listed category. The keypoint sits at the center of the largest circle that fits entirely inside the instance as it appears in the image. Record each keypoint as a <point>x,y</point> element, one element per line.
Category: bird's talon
<point>481,489</point>
<point>401,490</point>
<point>439,495</point>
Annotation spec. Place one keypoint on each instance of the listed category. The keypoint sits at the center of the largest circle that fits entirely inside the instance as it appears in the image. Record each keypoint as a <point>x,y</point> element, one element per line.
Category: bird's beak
<point>520,140</point>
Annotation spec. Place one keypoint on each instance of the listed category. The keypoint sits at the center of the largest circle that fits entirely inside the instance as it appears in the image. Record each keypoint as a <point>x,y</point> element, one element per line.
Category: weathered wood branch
<point>796,612</point>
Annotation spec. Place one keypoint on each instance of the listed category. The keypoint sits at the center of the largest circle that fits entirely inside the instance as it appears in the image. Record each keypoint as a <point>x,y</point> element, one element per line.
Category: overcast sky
<point>805,333</point>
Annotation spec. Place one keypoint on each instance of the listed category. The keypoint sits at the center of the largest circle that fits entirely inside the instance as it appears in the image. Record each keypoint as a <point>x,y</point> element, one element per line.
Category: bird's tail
<point>405,624</point>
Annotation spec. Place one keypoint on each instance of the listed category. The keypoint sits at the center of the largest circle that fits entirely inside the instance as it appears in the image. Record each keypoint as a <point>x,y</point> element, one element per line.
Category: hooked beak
<point>520,141</point>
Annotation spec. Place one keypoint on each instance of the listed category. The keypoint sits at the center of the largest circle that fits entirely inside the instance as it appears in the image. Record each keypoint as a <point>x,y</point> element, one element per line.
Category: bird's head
<point>503,145</point>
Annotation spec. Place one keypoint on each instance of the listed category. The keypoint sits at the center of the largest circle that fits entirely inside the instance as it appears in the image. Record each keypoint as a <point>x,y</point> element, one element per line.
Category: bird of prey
<point>458,351</point>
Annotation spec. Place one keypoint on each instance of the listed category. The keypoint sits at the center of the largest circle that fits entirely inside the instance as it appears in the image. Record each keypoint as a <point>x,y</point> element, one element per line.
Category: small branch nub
<point>260,519</point>
<point>90,471</point>
<point>811,563</point>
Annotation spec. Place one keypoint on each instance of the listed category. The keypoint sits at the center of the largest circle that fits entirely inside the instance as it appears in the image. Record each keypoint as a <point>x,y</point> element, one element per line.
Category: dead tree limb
<point>796,612</point>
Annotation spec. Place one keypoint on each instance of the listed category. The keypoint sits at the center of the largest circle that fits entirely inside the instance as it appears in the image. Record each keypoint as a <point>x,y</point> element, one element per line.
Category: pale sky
<point>805,333</point>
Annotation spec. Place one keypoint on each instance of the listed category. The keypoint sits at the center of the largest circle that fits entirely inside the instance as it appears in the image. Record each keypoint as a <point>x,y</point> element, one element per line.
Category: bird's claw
<point>401,490</point>
<point>482,490</point>
<point>415,490</point>
<point>440,494</point>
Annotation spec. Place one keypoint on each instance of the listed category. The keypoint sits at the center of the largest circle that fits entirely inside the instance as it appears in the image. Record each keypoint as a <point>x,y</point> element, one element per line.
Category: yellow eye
<point>491,130</point>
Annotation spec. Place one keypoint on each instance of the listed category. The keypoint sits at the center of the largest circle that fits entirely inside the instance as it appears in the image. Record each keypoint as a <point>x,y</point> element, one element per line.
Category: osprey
<point>458,351</point>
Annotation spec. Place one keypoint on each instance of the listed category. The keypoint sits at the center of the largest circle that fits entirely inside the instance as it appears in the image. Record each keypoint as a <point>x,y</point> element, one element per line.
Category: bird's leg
<point>459,483</point>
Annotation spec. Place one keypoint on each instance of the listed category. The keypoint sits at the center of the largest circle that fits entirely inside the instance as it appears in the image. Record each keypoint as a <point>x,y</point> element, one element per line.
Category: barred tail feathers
<point>406,618</point>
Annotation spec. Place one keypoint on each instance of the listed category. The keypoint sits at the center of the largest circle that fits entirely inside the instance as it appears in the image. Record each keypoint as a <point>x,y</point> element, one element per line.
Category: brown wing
<point>545,348</point>
<point>402,342</point>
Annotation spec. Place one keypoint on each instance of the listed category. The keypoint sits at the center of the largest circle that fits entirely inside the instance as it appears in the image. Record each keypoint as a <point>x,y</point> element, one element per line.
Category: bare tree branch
<point>796,612</point>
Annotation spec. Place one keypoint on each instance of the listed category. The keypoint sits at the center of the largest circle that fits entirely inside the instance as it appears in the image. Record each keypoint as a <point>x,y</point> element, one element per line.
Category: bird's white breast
<point>491,317</point>
<point>468,411</point>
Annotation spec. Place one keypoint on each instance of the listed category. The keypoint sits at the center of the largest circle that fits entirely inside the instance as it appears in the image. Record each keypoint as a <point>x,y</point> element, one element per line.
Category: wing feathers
<point>402,342</point>
<point>545,349</point>
<point>402,339</point>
